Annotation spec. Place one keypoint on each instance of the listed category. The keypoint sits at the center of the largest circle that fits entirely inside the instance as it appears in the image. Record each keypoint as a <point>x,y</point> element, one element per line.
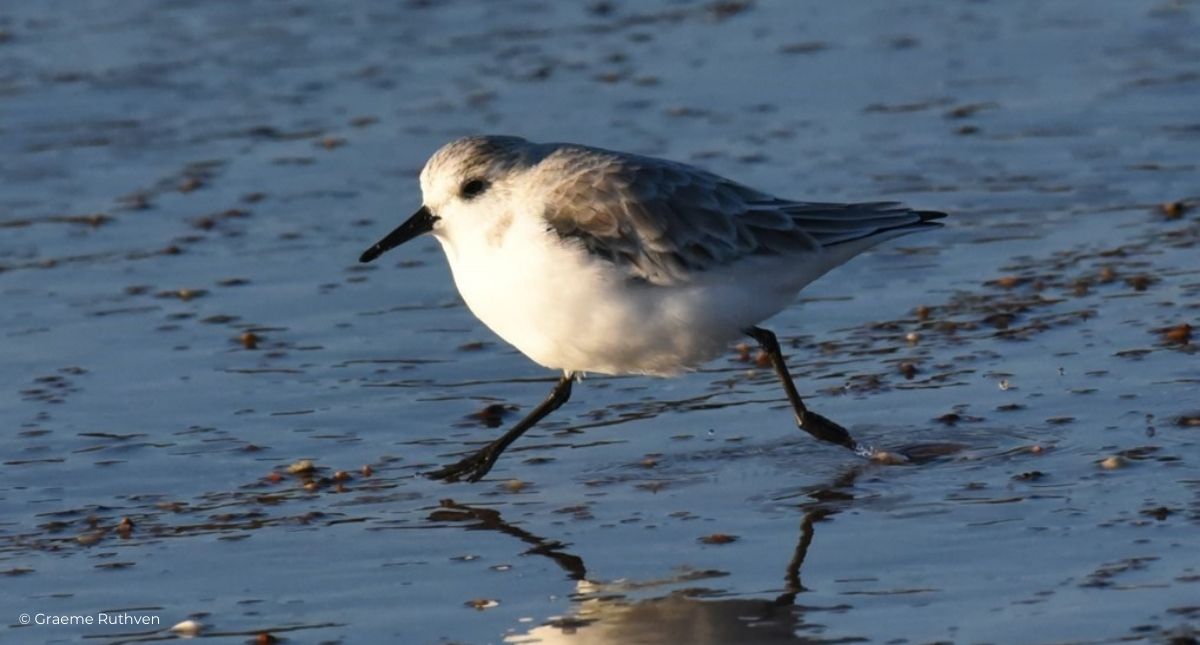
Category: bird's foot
<point>472,468</point>
<point>826,430</point>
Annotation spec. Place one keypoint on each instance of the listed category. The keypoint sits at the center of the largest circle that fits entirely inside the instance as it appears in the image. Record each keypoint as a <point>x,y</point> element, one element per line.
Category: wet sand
<point>185,188</point>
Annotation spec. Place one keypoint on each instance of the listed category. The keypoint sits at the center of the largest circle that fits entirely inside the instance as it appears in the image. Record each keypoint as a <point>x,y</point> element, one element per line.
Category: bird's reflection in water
<point>489,519</point>
<point>604,614</point>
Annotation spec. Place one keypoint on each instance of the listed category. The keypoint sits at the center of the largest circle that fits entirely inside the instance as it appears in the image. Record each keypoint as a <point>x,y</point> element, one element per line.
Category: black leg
<point>473,468</point>
<point>810,422</point>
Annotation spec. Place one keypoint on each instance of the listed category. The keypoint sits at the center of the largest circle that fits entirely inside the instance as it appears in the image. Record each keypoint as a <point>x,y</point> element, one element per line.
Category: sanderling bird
<point>591,260</point>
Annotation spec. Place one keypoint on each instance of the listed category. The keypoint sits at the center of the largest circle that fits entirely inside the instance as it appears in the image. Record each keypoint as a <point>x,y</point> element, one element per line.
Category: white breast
<point>570,311</point>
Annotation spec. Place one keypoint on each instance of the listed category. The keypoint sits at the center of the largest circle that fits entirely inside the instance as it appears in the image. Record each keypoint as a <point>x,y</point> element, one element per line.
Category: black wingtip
<point>930,216</point>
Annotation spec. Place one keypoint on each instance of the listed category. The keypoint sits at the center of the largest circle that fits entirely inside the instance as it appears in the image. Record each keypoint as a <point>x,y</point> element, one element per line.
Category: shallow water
<point>185,187</point>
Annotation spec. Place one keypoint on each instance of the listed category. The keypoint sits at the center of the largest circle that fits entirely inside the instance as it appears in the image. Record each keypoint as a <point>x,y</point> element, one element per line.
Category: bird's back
<point>665,222</point>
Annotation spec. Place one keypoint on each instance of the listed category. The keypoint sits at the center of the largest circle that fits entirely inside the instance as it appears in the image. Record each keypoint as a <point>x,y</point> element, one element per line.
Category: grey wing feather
<point>665,221</point>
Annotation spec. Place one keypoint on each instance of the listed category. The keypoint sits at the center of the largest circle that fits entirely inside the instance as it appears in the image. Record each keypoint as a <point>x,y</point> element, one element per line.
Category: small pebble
<point>492,415</point>
<point>1140,282</point>
<point>743,352</point>
<point>1173,210</point>
<point>515,485</point>
<point>330,143</point>
<point>1180,334</point>
<point>1159,513</point>
<point>1113,462</point>
<point>301,467</point>
<point>88,539</point>
<point>888,458</point>
<point>187,628</point>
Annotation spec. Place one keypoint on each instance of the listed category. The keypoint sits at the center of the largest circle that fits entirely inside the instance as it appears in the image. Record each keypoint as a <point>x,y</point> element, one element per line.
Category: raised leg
<point>810,422</point>
<point>473,468</point>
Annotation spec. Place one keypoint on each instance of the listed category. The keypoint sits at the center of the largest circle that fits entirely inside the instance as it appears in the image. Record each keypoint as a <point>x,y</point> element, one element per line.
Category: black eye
<point>473,188</point>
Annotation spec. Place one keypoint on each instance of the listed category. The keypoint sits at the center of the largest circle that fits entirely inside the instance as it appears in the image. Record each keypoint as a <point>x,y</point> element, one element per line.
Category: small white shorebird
<point>590,260</point>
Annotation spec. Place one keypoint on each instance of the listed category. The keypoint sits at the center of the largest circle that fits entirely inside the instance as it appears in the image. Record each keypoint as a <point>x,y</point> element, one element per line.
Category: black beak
<point>420,223</point>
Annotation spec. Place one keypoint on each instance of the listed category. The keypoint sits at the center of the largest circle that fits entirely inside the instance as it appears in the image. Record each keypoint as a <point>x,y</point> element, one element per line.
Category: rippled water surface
<point>185,187</point>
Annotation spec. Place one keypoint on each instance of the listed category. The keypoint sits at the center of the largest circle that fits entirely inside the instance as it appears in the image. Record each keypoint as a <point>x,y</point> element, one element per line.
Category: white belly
<point>568,311</point>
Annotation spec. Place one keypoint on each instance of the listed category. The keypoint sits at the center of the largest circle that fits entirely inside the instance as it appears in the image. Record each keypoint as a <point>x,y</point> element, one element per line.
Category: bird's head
<point>463,185</point>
